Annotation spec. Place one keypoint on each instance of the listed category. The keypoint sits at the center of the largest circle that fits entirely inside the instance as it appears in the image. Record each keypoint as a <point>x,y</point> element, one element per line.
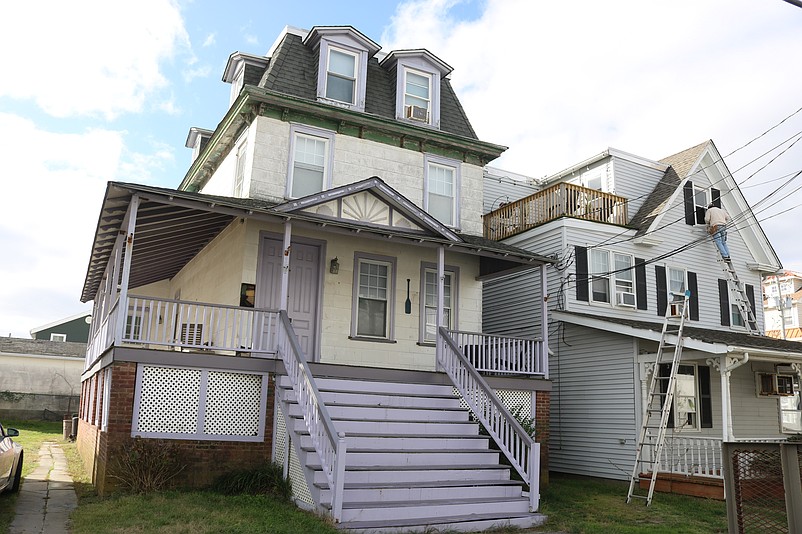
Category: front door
<point>304,282</point>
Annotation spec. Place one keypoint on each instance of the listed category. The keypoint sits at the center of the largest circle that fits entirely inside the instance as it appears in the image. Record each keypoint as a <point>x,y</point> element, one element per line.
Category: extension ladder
<point>660,398</point>
<point>738,291</point>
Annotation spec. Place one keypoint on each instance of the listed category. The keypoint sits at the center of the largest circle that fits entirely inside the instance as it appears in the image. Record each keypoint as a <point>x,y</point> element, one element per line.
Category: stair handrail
<point>329,445</point>
<point>521,450</point>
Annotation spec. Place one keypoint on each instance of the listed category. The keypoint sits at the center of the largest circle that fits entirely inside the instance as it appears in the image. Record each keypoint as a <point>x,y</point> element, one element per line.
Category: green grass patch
<point>595,506</point>
<point>194,513</point>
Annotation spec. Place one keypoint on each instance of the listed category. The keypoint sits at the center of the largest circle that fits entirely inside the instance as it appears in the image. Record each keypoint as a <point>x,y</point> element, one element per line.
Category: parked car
<point>10,460</point>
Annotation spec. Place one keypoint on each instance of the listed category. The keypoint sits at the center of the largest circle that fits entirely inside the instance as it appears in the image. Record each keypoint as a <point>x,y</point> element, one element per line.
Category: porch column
<point>122,310</point>
<point>725,365</point>
<point>544,321</point>
<point>285,266</point>
<point>441,266</point>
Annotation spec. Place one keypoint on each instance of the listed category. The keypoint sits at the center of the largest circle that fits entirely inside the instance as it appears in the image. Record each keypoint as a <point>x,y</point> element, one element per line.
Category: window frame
<point>327,136</point>
<point>453,322</point>
<point>330,73</point>
<point>697,404</point>
<point>333,42</point>
<point>614,281</point>
<point>430,160</point>
<point>239,167</point>
<point>391,263</point>
<point>54,336</point>
<point>429,99</point>
<point>602,275</point>
<point>418,65</point>
<point>699,210</point>
<point>670,268</point>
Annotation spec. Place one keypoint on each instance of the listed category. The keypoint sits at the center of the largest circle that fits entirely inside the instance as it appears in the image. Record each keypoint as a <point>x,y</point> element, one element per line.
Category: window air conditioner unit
<point>626,299</point>
<point>417,113</point>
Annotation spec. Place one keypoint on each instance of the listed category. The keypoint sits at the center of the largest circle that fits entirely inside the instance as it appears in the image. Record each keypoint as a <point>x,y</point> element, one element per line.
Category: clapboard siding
<point>501,188</point>
<point>592,403</point>
<point>753,416</point>
<point>633,182</point>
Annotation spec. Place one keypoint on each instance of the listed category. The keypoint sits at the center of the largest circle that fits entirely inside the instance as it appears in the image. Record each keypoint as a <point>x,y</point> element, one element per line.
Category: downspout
<point>544,321</point>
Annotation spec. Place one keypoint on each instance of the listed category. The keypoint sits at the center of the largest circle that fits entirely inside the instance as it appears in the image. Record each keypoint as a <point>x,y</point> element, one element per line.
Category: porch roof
<point>702,339</point>
<point>183,222</point>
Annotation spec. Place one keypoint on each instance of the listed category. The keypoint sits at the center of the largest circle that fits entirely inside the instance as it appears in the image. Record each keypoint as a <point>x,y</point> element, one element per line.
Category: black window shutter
<point>724,302</point>
<point>705,398</point>
<point>581,255</point>
<point>750,294</point>
<point>690,211</point>
<point>715,197</point>
<point>640,284</point>
<point>664,372</point>
<point>693,302</point>
<point>662,291</point>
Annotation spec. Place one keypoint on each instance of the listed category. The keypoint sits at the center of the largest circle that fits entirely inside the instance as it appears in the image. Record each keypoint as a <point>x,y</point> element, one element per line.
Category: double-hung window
<point>374,290</point>
<point>441,189</point>
<point>701,199</point>
<point>310,161</point>
<point>624,280</point>
<point>239,170</point>
<point>341,70</point>
<point>676,281</point>
<point>686,399</point>
<point>429,301</point>
<point>600,275</point>
<point>417,95</point>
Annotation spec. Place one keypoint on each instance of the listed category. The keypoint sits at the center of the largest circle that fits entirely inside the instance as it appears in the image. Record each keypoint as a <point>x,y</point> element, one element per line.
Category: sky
<point>95,91</point>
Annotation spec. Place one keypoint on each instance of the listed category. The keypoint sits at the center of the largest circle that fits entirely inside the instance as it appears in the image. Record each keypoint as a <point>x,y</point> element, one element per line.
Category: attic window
<point>341,72</point>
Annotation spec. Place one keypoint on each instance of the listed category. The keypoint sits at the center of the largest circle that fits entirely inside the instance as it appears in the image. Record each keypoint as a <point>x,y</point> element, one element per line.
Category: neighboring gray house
<point>625,232</point>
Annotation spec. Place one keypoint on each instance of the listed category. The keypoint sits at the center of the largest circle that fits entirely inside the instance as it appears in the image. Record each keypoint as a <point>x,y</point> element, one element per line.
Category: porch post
<point>441,261</point>
<point>725,398</point>
<point>285,266</point>
<point>122,306</point>
<point>544,321</point>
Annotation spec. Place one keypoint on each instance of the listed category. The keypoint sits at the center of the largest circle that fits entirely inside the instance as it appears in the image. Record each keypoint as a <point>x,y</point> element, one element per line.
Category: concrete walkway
<point>47,496</point>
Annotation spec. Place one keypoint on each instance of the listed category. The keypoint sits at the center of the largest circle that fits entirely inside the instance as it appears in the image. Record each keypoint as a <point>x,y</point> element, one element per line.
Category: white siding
<point>500,189</point>
<point>633,182</point>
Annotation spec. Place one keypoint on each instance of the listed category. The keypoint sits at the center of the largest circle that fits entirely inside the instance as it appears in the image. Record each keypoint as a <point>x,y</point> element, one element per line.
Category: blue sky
<point>94,91</point>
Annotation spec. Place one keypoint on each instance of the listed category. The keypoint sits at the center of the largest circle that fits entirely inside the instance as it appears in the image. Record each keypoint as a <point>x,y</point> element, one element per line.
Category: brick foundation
<point>542,411</point>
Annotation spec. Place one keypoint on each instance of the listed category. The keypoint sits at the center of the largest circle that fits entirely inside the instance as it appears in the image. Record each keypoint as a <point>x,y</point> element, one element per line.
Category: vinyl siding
<point>633,182</point>
<point>499,189</point>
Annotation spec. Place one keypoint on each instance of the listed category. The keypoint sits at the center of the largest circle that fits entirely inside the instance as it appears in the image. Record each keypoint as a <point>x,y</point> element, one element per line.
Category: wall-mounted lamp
<point>334,266</point>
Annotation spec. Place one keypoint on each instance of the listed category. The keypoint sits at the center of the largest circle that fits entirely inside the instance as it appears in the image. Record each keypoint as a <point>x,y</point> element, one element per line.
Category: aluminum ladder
<point>738,292</point>
<point>660,398</point>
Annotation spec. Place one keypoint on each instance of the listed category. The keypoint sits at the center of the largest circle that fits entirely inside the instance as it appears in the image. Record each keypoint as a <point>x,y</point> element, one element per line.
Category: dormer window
<point>418,75</point>
<point>417,95</point>
<point>341,74</point>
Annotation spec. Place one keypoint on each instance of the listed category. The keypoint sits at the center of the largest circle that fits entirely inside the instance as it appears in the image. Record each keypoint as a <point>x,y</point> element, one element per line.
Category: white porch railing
<point>329,445</point>
<point>693,456</point>
<point>497,354</point>
<point>521,450</point>
<point>187,325</point>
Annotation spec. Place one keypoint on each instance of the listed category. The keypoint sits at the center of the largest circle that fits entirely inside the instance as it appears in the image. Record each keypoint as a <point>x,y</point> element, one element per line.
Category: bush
<point>267,479</point>
<point>143,466</point>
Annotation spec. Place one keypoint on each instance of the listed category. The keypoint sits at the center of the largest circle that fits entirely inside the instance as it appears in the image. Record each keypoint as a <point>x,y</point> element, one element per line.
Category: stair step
<point>398,428</point>
<point>410,443</point>
<point>420,458</point>
<point>381,413</point>
<point>393,510</point>
<point>424,492</point>
<point>472,523</point>
<point>334,398</point>
<point>374,386</point>
<point>416,474</point>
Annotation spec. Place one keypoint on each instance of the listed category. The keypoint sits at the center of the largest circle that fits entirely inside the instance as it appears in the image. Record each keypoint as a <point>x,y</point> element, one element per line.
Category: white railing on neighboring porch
<point>521,450</point>
<point>497,354</point>
<point>186,325</point>
<point>693,456</point>
<point>329,445</point>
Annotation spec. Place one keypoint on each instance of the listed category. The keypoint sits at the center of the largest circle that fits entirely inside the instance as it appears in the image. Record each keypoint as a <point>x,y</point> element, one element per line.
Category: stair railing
<point>517,445</point>
<point>329,445</point>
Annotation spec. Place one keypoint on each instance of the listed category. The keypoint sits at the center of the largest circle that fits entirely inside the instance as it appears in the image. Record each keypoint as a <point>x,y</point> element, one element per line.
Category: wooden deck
<point>695,486</point>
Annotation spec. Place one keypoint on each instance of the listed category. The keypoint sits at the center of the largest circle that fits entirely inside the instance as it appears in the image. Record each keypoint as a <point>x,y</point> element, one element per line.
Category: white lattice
<point>516,400</point>
<point>169,400</point>
<point>233,402</point>
<point>279,435</point>
<point>299,487</point>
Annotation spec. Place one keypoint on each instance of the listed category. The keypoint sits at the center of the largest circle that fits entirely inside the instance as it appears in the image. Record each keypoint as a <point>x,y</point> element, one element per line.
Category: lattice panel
<point>516,400</point>
<point>759,491</point>
<point>280,435</point>
<point>169,400</point>
<point>233,403</point>
<point>299,487</point>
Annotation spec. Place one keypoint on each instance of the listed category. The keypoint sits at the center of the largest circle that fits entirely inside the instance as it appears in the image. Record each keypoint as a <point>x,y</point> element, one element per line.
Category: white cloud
<point>199,72</point>
<point>210,40</point>
<point>89,58</point>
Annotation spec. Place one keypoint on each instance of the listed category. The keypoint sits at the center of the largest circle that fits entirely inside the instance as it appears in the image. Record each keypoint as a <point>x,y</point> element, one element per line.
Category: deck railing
<point>693,456</point>
<point>187,325</point>
<point>521,450</point>
<point>559,200</point>
<point>329,445</point>
<point>503,355</point>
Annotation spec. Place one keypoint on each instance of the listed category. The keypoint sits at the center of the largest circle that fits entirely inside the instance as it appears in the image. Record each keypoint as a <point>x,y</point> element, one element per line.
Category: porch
<point>559,200</point>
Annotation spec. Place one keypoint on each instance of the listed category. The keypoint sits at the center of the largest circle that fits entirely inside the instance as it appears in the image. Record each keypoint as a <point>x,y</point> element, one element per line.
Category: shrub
<point>142,466</point>
<point>266,479</point>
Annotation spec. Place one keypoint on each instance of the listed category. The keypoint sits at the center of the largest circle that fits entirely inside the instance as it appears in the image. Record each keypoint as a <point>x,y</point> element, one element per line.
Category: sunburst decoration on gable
<point>365,207</point>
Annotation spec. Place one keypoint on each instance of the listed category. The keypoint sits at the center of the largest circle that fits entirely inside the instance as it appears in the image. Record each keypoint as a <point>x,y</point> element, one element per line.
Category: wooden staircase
<point>414,461</point>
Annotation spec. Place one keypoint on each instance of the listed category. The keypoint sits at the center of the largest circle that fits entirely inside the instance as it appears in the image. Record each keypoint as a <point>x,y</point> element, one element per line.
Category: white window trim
<point>419,67</point>
<point>454,318</point>
<point>361,69</point>
<point>328,136</point>
<point>240,160</point>
<point>631,281</point>
<point>429,159</point>
<point>708,196</point>
<point>669,268</point>
<point>682,428</point>
<point>736,312</point>
<point>58,337</point>
<point>592,276</point>
<point>391,296</point>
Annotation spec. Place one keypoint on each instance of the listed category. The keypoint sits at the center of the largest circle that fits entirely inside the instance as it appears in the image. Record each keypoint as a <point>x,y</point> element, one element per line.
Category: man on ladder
<point>716,220</point>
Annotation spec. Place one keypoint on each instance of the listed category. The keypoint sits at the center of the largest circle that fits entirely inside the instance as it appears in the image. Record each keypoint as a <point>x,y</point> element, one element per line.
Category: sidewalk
<point>47,495</point>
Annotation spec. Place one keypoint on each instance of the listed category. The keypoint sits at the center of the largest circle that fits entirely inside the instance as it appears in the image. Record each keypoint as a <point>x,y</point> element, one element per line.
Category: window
<point>701,200</point>
<point>786,387</point>
<point>696,199</point>
<point>593,179</point>
<point>239,172</point>
<point>417,95</point>
<point>685,411</point>
<point>600,275</point>
<point>773,384</point>
<point>791,414</point>
<point>374,300</point>
<point>735,316</point>
<point>624,280</point>
<point>676,281</point>
<point>441,186</point>
<point>341,76</point>
<point>310,161</point>
<point>58,337</point>
<point>429,301</point>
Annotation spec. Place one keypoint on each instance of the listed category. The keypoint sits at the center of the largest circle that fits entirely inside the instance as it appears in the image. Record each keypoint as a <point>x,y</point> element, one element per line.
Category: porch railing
<point>503,355</point>
<point>187,325</point>
<point>559,200</point>
<point>693,456</point>
<point>329,445</point>
<point>518,446</point>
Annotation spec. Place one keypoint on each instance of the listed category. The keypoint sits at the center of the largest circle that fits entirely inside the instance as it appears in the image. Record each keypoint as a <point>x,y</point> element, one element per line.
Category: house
<point>626,233</point>
<point>39,378</point>
<point>781,295</point>
<point>311,292</point>
<point>74,328</point>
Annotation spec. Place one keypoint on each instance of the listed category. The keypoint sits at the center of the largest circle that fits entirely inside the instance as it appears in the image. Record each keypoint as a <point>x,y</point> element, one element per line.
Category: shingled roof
<point>680,166</point>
